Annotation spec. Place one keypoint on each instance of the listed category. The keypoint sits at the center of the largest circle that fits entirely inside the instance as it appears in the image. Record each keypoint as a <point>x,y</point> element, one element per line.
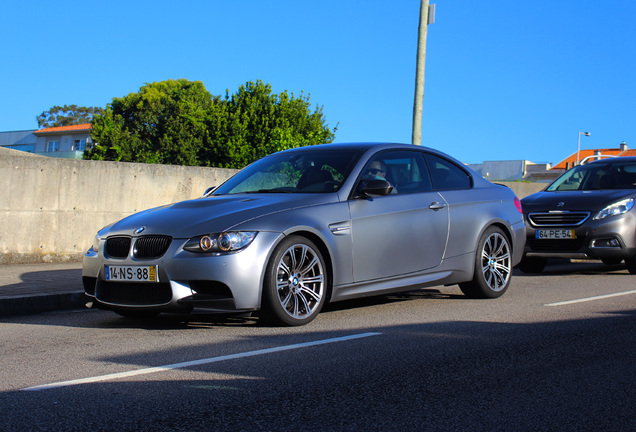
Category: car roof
<point>612,160</point>
<point>364,146</point>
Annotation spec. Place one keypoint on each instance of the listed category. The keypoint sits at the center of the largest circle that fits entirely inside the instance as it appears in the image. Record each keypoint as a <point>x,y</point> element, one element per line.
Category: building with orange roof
<point>67,142</point>
<point>585,155</point>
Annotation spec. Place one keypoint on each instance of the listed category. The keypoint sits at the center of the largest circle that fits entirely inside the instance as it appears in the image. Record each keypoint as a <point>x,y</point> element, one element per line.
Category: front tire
<point>493,266</point>
<point>631,264</point>
<point>532,264</point>
<point>295,285</point>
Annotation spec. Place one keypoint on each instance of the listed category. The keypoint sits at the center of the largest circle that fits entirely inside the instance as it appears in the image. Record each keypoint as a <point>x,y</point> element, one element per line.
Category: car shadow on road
<point>202,319</point>
<point>567,267</point>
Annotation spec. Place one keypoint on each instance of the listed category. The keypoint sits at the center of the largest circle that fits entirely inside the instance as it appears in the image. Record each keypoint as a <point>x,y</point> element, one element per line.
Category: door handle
<point>436,206</point>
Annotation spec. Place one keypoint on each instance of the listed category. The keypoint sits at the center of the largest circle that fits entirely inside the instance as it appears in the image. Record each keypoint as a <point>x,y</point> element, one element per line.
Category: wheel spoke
<point>306,269</point>
<point>499,242</point>
<point>285,301</point>
<point>282,267</point>
<point>294,311</point>
<point>292,260</point>
<point>314,279</point>
<point>307,308</point>
<point>310,293</point>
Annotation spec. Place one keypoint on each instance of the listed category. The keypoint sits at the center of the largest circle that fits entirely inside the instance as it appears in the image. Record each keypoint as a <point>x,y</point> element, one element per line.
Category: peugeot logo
<point>140,230</point>
<point>560,204</point>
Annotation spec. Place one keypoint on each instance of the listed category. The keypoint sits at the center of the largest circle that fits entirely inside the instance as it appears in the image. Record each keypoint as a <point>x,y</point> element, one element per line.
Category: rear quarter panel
<point>474,210</point>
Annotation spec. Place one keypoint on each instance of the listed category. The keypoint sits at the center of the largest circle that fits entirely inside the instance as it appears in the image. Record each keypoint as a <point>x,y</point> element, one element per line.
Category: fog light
<point>606,243</point>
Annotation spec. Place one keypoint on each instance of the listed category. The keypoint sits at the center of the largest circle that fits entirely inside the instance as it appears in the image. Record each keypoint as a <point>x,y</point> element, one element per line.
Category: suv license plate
<point>131,273</point>
<point>555,234</point>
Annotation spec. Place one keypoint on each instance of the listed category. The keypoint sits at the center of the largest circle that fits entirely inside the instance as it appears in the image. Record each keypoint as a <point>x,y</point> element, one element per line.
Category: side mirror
<point>375,188</point>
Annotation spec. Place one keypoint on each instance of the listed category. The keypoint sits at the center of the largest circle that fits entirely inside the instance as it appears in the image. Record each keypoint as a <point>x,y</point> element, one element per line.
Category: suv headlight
<point>617,208</point>
<point>220,242</point>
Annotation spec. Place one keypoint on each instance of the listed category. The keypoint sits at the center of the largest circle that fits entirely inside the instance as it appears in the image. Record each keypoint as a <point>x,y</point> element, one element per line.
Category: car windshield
<point>310,170</point>
<point>595,176</point>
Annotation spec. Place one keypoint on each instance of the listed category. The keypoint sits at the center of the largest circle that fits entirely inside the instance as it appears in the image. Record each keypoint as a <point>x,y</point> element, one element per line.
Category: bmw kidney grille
<point>146,247</point>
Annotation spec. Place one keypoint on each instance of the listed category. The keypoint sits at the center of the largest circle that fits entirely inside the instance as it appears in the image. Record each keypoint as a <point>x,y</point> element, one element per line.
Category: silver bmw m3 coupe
<point>307,226</point>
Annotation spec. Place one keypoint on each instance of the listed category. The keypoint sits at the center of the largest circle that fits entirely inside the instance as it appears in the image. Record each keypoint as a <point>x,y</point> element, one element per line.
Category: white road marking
<point>181,365</point>
<point>563,303</point>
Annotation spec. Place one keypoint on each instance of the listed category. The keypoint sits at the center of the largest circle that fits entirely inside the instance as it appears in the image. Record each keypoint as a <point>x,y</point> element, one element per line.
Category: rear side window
<point>446,175</point>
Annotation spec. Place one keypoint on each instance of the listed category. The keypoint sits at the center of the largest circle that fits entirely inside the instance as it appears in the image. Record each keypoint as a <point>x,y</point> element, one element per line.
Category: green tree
<point>179,122</point>
<point>67,115</point>
<point>165,122</point>
<point>254,122</point>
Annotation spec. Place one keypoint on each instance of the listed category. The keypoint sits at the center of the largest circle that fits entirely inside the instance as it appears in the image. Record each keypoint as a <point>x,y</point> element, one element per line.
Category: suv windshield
<point>305,171</point>
<point>595,176</point>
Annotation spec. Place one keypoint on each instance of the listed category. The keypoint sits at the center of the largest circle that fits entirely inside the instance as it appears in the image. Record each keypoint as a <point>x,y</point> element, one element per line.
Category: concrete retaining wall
<point>50,209</point>
<point>523,189</point>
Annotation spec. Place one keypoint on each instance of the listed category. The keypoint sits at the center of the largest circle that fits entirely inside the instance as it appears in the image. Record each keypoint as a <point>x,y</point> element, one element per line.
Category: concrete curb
<point>37,303</point>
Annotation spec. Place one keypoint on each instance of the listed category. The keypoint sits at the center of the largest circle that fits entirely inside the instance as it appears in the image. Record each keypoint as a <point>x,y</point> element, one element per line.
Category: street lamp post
<point>578,147</point>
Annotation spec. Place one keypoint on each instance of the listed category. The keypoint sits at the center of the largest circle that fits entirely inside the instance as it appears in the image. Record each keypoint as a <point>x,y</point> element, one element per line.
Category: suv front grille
<point>151,246</point>
<point>558,218</point>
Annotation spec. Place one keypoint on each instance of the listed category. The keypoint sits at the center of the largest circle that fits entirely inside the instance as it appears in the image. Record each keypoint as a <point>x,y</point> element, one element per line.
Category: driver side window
<point>404,170</point>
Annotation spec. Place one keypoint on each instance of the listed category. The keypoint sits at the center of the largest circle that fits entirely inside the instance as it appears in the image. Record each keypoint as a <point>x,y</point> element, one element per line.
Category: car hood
<point>211,214</point>
<point>592,200</point>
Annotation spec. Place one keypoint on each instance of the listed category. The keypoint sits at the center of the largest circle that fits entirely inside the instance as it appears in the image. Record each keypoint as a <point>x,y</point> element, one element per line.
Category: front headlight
<point>98,237</point>
<point>95,246</point>
<point>220,242</point>
<point>617,208</point>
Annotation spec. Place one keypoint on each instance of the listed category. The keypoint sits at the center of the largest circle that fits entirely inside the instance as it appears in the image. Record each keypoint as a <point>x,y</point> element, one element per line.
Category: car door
<point>403,232</point>
<point>465,205</point>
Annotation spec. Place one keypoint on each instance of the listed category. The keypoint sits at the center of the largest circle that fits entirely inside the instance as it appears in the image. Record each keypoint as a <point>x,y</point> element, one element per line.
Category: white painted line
<point>563,303</point>
<point>196,362</point>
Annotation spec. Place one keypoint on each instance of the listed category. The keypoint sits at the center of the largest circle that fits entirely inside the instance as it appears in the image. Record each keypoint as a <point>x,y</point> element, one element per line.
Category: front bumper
<point>611,238</point>
<point>186,280</point>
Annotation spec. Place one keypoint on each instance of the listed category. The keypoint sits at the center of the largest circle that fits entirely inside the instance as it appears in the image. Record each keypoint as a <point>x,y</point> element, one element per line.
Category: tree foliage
<point>67,115</point>
<point>165,122</point>
<point>179,122</point>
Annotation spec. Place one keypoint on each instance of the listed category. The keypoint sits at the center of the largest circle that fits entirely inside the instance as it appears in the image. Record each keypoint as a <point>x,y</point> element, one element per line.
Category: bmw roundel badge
<point>140,230</point>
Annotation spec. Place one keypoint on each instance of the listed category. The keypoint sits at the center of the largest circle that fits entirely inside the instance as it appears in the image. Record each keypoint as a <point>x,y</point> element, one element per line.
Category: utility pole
<point>427,16</point>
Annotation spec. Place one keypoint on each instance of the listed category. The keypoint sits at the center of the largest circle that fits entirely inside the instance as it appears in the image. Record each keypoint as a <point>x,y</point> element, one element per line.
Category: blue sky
<point>505,79</point>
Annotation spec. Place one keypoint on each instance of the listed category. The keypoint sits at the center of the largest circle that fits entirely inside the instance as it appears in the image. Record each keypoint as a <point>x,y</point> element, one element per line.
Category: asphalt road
<point>556,352</point>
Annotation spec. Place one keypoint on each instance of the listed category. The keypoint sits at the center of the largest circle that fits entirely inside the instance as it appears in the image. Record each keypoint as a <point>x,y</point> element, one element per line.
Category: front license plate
<point>131,273</point>
<point>555,234</point>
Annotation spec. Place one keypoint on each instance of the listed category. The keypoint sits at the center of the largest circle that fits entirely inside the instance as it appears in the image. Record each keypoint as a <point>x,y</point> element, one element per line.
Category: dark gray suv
<point>587,213</point>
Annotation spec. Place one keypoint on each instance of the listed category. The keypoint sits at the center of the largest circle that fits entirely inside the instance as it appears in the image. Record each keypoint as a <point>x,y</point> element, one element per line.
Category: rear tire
<point>493,266</point>
<point>295,285</point>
